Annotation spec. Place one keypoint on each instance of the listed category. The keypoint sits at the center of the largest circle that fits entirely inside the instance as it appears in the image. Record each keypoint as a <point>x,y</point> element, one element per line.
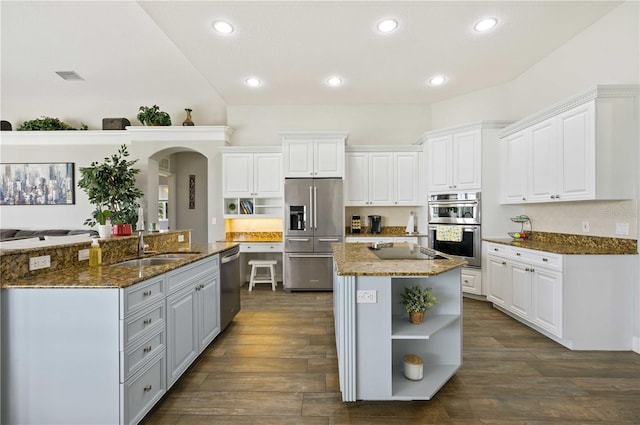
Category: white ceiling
<point>127,49</point>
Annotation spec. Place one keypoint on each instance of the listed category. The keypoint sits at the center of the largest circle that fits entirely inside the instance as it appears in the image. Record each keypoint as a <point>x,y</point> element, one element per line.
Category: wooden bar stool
<point>271,278</point>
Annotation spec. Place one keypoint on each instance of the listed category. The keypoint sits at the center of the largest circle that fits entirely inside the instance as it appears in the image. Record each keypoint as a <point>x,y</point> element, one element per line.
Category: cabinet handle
<point>504,263</point>
<point>147,388</point>
<point>495,249</point>
<point>532,270</point>
<point>146,293</point>
<point>147,349</point>
<point>146,322</point>
<point>518,254</point>
<point>524,199</point>
<point>553,197</point>
<point>527,269</point>
<point>466,281</point>
<point>545,259</point>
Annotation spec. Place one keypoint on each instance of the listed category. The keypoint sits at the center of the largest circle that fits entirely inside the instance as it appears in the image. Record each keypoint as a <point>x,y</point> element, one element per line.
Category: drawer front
<point>539,258</point>
<point>138,354</point>
<point>262,247</point>
<point>143,390</point>
<point>498,249</point>
<point>405,239</point>
<point>142,294</point>
<point>143,323</point>
<point>190,273</point>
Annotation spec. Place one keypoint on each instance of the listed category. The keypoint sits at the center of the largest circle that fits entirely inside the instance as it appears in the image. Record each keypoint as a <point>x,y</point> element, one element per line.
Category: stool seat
<point>270,278</point>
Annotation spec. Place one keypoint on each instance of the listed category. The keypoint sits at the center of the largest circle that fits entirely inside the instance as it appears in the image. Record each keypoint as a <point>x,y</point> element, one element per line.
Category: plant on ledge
<point>417,301</point>
<point>47,124</point>
<point>153,116</point>
<point>111,188</point>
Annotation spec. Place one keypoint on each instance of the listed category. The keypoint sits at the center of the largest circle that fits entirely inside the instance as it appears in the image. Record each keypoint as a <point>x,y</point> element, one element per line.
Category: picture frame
<point>37,183</point>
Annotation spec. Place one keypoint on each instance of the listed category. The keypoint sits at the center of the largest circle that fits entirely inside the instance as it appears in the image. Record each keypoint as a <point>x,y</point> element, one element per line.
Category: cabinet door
<point>406,178</point>
<point>208,314</point>
<point>471,281</point>
<point>237,174</point>
<point>466,157</point>
<point>328,158</point>
<point>520,281</point>
<point>576,153</point>
<point>542,162</point>
<point>357,181</point>
<point>497,277</point>
<point>546,306</point>
<point>439,160</point>
<point>182,332</point>
<point>298,158</point>
<point>513,168</point>
<point>381,178</point>
<point>267,175</point>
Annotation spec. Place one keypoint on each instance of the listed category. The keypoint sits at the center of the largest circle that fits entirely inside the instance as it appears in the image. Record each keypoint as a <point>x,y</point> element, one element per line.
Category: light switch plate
<point>83,254</point>
<point>42,262</point>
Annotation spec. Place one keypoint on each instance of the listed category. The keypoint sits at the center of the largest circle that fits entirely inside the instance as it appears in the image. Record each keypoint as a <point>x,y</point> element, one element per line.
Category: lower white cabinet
<point>103,355</point>
<point>471,281</point>
<point>584,302</point>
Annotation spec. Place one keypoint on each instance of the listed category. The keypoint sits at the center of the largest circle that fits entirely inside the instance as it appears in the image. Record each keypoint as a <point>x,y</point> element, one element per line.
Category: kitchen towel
<point>449,233</point>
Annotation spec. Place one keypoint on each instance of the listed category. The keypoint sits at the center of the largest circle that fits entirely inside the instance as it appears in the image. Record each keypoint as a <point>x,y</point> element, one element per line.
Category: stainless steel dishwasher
<point>229,286</point>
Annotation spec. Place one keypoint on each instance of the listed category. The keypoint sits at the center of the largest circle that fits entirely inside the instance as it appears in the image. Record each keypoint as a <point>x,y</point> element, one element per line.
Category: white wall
<point>366,124</point>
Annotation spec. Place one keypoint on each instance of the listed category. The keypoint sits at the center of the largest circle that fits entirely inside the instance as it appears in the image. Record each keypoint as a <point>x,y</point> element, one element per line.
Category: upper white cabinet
<point>583,149</point>
<point>377,176</point>
<point>313,154</point>
<point>454,161</point>
<point>256,174</point>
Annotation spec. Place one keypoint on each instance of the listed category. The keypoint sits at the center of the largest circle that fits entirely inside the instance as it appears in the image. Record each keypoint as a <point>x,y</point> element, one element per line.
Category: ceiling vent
<point>69,75</point>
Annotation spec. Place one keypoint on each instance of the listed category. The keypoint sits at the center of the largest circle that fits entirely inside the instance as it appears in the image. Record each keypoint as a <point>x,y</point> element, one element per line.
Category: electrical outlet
<point>214,220</point>
<point>83,254</point>
<point>622,228</point>
<point>41,262</point>
<point>585,226</point>
<point>366,297</point>
<point>180,238</point>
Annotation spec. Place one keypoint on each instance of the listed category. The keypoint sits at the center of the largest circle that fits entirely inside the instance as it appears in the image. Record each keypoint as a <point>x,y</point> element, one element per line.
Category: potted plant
<point>417,301</point>
<point>104,229</point>
<point>153,116</point>
<point>111,185</point>
<point>47,124</point>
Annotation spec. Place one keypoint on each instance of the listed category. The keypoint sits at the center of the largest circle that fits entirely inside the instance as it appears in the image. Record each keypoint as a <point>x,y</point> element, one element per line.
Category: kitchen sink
<point>177,255</point>
<point>405,251</point>
<point>153,261</point>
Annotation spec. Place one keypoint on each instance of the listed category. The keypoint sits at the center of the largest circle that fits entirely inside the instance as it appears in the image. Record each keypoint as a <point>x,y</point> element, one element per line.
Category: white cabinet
<point>497,279</point>
<point>454,161</point>
<point>252,183</point>
<point>313,154</point>
<point>583,149</point>
<point>192,313</point>
<point>471,281</point>
<point>378,176</point>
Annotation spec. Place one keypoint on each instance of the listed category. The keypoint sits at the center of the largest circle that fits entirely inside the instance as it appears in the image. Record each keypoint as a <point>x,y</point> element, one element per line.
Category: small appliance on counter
<point>375,224</point>
<point>356,224</point>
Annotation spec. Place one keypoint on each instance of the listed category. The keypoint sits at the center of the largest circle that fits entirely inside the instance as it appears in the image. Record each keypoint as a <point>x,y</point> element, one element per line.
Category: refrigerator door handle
<point>315,207</point>
<point>311,218</point>
<point>298,239</point>
<point>328,239</point>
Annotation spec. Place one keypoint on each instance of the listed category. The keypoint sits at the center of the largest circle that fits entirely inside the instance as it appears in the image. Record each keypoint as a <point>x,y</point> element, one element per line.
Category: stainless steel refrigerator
<point>314,219</point>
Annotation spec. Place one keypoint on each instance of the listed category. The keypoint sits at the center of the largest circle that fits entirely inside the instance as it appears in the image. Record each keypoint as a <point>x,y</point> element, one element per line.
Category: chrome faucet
<point>140,244</point>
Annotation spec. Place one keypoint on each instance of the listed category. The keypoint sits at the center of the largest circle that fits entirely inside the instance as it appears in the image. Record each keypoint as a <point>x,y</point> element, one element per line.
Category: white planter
<point>104,230</point>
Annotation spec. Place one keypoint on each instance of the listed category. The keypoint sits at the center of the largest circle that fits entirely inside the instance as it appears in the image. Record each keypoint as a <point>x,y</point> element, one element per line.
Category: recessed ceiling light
<point>437,80</point>
<point>387,25</point>
<point>222,27</point>
<point>485,24</point>
<point>253,82</point>
<point>334,81</point>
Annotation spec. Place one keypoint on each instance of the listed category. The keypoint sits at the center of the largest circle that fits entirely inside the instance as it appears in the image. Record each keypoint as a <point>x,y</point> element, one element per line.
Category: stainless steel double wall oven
<point>457,209</point>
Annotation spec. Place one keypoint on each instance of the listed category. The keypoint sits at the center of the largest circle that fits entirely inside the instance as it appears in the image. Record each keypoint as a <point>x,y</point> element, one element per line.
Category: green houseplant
<point>417,301</point>
<point>153,116</point>
<point>47,124</point>
<point>111,188</point>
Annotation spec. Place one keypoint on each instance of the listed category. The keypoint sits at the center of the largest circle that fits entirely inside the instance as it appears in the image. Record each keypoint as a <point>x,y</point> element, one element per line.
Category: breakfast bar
<point>373,333</point>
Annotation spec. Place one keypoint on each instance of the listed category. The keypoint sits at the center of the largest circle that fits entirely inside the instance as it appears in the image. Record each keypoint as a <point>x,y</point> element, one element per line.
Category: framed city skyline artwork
<point>37,184</point>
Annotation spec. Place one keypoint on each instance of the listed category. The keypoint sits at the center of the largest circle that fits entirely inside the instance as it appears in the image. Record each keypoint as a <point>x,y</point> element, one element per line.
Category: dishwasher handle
<point>310,255</point>
<point>229,258</point>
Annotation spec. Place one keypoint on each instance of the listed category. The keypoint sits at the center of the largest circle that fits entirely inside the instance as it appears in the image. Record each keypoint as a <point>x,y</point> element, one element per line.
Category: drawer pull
<point>533,270</point>
<point>147,349</point>
<point>147,388</point>
<point>146,293</point>
<point>518,254</point>
<point>146,321</point>
<point>545,259</point>
<point>495,249</point>
<point>527,269</point>
<point>504,263</point>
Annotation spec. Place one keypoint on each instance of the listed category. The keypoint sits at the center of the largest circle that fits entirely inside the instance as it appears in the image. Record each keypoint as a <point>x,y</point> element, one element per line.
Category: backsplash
<point>568,217</point>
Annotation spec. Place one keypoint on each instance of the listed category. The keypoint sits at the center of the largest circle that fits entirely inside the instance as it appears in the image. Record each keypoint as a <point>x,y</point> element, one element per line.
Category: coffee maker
<point>375,224</point>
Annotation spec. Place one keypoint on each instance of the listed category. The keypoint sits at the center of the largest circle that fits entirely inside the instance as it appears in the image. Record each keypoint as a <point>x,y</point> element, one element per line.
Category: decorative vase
<point>416,317</point>
<point>104,230</point>
<point>413,367</point>
<point>121,229</point>
<point>187,121</point>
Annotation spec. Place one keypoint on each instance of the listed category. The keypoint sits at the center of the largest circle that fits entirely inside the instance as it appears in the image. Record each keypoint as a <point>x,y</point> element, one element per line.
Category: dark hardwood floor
<point>276,364</point>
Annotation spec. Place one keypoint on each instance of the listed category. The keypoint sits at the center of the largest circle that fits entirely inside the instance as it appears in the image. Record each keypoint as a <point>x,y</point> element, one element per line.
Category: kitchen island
<point>373,332</point>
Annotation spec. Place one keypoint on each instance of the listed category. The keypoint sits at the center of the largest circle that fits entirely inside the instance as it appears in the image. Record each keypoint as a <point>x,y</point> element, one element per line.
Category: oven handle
<point>310,255</point>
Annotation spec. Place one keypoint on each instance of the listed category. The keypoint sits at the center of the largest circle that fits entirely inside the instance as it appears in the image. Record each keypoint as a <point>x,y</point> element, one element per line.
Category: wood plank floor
<point>276,364</point>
